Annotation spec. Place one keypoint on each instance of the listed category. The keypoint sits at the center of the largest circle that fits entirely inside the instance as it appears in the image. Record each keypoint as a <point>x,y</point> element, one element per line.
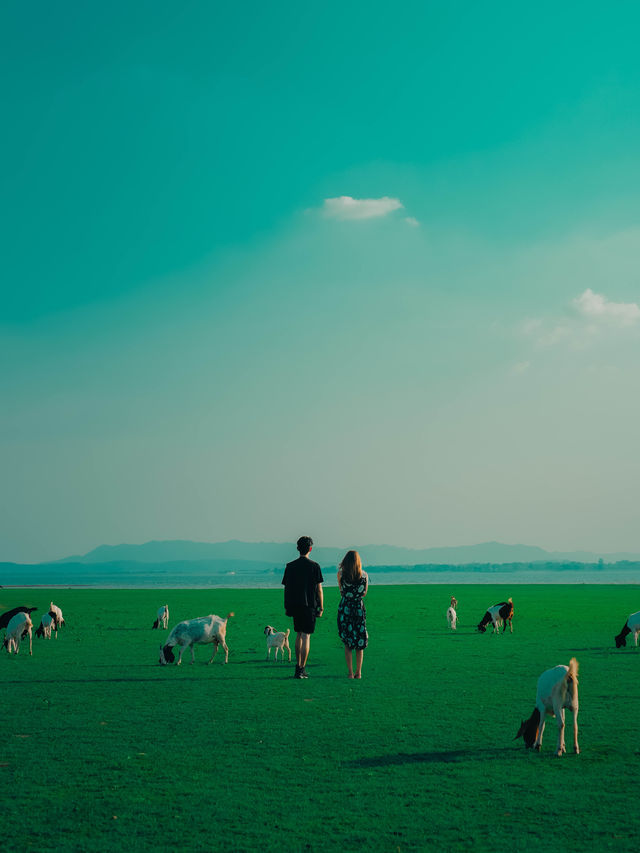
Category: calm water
<point>187,581</point>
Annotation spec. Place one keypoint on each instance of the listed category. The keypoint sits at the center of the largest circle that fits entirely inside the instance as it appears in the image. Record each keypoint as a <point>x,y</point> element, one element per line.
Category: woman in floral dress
<point>352,616</point>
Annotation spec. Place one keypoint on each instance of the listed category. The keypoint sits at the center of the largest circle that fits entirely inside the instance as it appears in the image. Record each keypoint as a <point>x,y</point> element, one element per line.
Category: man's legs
<point>302,649</point>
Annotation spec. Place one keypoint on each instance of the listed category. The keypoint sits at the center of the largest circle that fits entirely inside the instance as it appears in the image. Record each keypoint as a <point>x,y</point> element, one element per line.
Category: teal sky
<point>367,271</point>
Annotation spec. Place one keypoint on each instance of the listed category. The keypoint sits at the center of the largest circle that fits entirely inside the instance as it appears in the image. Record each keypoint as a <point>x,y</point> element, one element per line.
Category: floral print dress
<point>352,616</point>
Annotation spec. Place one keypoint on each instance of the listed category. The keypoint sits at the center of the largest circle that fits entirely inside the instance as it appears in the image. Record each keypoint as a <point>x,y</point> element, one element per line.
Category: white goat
<point>452,618</point>
<point>58,618</point>
<point>44,629</point>
<point>557,690</point>
<point>163,617</point>
<point>19,626</point>
<point>204,629</point>
<point>631,625</point>
<point>277,640</point>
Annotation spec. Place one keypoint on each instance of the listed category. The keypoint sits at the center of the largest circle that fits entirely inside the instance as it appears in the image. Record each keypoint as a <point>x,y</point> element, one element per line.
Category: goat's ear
<point>523,725</point>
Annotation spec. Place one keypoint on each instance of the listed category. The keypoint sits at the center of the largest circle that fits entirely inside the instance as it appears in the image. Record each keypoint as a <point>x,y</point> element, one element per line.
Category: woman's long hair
<point>351,567</point>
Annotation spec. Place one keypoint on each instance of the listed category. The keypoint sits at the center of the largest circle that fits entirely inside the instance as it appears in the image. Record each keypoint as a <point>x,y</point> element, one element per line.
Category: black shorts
<point>304,620</point>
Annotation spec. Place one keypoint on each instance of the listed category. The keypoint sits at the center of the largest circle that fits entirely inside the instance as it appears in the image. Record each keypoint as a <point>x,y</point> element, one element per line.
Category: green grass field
<point>103,749</point>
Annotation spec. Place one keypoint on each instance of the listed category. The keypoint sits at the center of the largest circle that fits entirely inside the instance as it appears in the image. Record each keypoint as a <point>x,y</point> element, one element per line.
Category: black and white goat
<point>44,628</point>
<point>19,627</point>
<point>557,690</point>
<point>163,617</point>
<point>277,640</point>
<point>6,617</point>
<point>204,629</point>
<point>632,625</point>
<point>498,615</point>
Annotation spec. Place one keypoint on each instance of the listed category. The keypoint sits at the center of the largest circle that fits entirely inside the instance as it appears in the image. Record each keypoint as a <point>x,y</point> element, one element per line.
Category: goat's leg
<point>561,746</point>
<point>538,742</point>
<point>289,650</point>
<point>268,652</point>
<point>226,651</point>
<point>576,748</point>
<point>215,651</point>
<point>30,644</point>
<point>182,649</point>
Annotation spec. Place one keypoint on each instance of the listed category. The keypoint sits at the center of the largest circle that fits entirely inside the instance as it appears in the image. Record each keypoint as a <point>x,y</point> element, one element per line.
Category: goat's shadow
<point>597,651</point>
<point>451,756</point>
<point>446,756</point>
<point>92,680</point>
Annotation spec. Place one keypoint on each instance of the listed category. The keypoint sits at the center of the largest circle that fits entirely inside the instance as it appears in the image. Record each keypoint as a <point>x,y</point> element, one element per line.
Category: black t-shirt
<point>301,578</point>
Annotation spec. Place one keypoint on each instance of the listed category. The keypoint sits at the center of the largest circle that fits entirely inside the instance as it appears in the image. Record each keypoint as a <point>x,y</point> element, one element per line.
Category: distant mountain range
<point>260,564</point>
<point>277,553</point>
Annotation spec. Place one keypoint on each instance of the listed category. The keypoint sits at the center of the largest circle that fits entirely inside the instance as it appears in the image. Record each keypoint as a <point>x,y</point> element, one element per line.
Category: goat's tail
<point>229,615</point>
<point>286,633</point>
<point>572,675</point>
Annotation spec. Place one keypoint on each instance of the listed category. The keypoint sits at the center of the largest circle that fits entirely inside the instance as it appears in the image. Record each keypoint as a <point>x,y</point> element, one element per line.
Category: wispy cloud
<point>411,220</point>
<point>520,367</point>
<point>346,207</point>
<point>591,316</point>
<point>596,307</point>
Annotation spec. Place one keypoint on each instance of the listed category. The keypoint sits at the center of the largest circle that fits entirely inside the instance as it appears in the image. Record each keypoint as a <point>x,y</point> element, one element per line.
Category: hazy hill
<point>373,555</point>
<point>261,574</point>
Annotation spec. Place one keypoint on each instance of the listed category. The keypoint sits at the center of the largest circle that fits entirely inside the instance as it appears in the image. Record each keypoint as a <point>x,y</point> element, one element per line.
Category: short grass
<point>103,749</point>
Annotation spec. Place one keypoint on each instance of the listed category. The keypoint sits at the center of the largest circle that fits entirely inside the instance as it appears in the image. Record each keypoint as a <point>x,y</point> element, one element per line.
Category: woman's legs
<point>349,659</point>
<point>359,657</point>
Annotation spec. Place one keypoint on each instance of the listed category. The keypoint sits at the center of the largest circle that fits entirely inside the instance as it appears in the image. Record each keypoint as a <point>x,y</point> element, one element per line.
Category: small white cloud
<point>346,207</point>
<point>597,307</point>
<point>520,367</point>
<point>411,220</point>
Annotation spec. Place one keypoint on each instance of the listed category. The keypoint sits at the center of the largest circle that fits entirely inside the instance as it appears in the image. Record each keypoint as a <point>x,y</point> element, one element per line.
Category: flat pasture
<point>103,749</point>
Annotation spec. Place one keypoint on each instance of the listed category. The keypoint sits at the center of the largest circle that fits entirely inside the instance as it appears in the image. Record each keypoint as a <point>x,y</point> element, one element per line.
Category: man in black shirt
<point>303,600</point>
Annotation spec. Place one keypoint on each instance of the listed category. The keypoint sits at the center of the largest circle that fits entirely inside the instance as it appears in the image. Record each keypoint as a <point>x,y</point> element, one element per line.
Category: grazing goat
<point>557,690</point>
<point>452,617</point>
<point>204,629</point>
<point>278,641</point>
<point>44,629</point>
<point>498,615</point>
<point>163,617</point>
<point>6,617</point>
<point>19,626</point>
<point>632,624</point>
<point>56,615</point>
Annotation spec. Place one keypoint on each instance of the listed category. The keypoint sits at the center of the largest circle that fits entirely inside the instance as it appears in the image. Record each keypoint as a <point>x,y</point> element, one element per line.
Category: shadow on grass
<point>599,651</point>
<point>93,680</point>
<point>447,756</point>
<point>454,756</point>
